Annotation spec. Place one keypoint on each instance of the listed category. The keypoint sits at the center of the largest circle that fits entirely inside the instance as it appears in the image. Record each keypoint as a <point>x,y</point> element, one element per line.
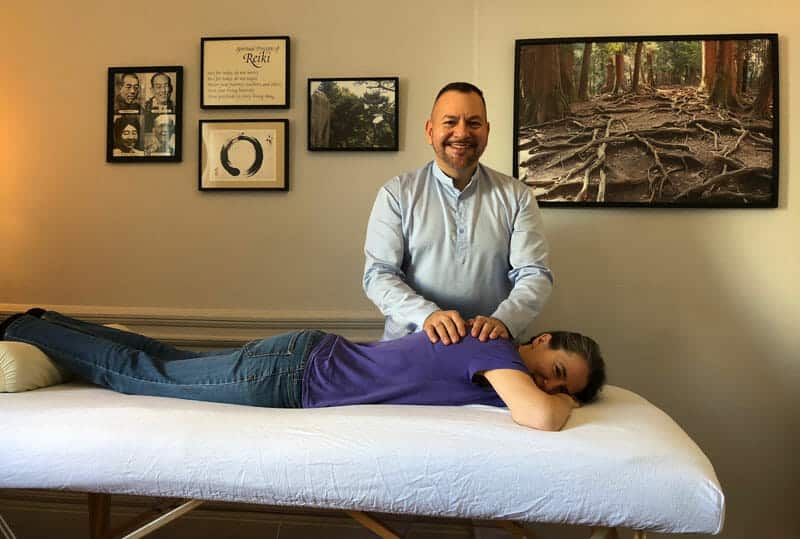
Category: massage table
<point>618,463</point>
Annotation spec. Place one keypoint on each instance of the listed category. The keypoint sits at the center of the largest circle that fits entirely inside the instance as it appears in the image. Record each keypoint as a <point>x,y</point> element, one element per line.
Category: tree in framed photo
<point>353,114</point>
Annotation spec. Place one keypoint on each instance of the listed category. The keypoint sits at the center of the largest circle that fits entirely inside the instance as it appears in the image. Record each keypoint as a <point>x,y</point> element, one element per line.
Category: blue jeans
<point>266,372</point>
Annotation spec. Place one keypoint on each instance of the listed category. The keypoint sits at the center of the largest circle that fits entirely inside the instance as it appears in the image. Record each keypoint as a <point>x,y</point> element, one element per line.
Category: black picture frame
<point>353,114</point>
<point>144,118</point>
<point>226,147</point>
<point>691,121</point>
<point>249,72</point>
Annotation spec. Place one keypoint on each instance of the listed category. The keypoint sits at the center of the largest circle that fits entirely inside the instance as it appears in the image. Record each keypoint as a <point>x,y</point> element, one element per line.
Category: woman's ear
<point>544,338</point>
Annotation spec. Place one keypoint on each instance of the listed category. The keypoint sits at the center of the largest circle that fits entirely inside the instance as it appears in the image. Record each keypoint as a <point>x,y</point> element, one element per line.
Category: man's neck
<point>460,181</point>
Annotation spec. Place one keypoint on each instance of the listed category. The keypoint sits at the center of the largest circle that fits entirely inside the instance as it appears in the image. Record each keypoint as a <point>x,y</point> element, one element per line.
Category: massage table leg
<point>516,530</point>
<point>604,533</point>
<point>99,515</point>
<point>177,511</point>
<point>372,525</point>
<point>139,526</point>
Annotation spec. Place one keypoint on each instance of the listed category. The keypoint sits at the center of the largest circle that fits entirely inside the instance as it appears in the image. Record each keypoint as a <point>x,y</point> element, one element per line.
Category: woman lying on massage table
<point>540,381</point>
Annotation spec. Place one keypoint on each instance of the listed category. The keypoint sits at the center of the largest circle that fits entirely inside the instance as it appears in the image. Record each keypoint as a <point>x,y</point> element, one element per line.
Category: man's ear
<point>544,338</point>
<point>429,131</point>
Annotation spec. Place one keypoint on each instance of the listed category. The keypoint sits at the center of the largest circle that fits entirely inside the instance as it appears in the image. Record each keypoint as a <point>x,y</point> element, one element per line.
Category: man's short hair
<point>128,74</point>
<point>589,350</point>
<point>464,88</point>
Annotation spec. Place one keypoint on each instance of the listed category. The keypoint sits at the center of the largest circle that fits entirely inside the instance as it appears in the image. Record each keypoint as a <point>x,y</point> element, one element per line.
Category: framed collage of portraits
<point>144,114</point>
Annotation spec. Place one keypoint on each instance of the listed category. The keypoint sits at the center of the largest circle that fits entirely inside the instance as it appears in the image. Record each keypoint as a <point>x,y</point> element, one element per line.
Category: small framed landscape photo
<point>244,154</point>
<point>244,72</point>
<point>144,114</point>
<point>353,114</point>
<point>648,121</point>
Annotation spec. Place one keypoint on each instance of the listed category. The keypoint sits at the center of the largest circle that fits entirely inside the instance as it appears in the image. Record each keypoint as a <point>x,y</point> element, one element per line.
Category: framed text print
<point>244,72</point>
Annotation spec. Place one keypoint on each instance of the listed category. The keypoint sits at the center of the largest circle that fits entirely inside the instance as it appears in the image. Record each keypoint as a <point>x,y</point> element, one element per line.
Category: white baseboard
<point>213,328</point>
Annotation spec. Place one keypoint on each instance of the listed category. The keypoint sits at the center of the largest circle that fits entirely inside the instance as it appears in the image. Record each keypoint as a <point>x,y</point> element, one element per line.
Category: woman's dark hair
<point>120,124</point>
<point>589,350</point>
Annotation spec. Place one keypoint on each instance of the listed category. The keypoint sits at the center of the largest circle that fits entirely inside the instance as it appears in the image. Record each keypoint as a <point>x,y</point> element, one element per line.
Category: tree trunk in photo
<point>586,67</point>
<point>693,77</point>
<point>723,93</point>
<point>710,49</point>
<point>637,67</point>
<point>743,65</point>
<point>608,85</point>
<point>567,67</point>
<point>763,103</point>
<point>650,61</point>
<point>619,72</point>
<point>547,98</point>
<point>527,75</point>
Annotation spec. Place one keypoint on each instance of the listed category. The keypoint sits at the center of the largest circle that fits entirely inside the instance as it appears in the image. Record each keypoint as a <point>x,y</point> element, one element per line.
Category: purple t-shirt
<point>409,370</point>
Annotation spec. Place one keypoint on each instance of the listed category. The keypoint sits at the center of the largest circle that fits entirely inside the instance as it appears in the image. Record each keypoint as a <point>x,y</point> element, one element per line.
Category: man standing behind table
<point>456,246</point>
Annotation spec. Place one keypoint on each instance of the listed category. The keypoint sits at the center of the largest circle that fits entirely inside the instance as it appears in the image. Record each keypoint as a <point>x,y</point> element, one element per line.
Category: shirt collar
<point>447,182</point>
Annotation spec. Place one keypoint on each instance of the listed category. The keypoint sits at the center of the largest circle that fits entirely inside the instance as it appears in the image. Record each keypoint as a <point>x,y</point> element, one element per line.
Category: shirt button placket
<point>461,243</point>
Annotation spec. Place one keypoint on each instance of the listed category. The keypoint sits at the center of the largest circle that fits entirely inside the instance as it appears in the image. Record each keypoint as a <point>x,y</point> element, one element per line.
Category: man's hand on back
<point>445,325</point>
<point>486,327</point>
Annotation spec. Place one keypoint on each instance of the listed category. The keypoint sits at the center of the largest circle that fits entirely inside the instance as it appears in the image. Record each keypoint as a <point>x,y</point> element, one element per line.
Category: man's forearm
<point>395,298</point>
<point>525,301</point>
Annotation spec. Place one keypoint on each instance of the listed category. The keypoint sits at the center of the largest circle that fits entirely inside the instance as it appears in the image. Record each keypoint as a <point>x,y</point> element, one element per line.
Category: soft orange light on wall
<point>11,181</point>
<point>9,119</point>
<point>5,127</point>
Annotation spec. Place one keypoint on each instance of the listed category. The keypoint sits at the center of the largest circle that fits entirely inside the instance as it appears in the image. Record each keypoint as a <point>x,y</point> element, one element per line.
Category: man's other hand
<point>445,325</point>
<point>486,327</point>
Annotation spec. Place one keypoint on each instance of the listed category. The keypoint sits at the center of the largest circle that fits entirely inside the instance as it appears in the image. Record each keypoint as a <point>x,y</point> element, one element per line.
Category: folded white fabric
<point>24,367</point>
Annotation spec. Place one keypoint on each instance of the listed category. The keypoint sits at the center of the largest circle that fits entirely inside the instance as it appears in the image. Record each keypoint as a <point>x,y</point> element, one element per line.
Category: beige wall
<point>696,310</point>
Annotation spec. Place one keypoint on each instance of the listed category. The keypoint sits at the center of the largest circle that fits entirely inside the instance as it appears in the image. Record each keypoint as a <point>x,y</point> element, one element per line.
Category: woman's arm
<point>529,405</point>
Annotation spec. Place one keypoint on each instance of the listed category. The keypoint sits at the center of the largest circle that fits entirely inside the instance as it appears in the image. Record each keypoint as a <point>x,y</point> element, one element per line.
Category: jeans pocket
<point>279,345</point>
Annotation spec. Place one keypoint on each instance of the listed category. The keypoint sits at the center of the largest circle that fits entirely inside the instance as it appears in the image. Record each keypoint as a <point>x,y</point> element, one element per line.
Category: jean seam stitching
<point>129,377</point>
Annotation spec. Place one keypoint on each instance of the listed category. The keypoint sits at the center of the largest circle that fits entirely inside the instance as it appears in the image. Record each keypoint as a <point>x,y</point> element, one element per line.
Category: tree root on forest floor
<point>578,149</point>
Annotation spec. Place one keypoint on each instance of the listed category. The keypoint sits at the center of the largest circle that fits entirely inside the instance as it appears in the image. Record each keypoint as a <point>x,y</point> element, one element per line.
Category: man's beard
<point>468,159</point>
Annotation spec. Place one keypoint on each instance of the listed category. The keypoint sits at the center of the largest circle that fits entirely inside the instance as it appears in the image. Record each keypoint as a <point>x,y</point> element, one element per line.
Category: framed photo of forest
<point>353,114</point>
<point>648,121</point>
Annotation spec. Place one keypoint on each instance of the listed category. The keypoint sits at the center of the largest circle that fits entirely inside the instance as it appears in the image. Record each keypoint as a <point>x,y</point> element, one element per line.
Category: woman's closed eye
<point>559,372</point>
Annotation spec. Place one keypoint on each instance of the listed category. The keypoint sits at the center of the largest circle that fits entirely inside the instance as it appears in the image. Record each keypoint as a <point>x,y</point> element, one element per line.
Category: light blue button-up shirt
<point>480,251</point>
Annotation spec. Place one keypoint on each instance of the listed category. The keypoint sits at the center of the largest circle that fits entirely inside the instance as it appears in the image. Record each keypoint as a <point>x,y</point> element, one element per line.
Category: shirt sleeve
<point>492,355</point>
<point>531,278</point>
<point>384,281</point>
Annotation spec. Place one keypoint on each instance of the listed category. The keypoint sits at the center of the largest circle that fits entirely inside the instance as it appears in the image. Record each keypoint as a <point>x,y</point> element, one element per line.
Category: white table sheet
<point>618,462</point>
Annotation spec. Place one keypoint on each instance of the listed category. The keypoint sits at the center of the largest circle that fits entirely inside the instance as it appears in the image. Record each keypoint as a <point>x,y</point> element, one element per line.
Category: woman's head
<point>126,132</point>
<point>565,362</point>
